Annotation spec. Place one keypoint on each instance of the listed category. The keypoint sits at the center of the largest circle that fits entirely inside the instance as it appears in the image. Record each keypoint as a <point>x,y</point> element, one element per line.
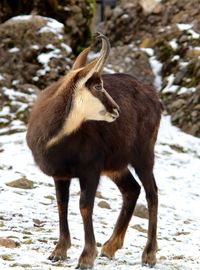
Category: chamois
<point>86,125</point>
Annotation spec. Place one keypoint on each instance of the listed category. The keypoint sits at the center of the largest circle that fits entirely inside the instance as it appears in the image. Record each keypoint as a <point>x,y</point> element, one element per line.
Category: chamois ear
<point>81,59</point>
<point>96,66</point>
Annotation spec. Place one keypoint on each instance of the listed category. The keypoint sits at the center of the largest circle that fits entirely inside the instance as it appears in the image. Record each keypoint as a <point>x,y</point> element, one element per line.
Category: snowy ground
<point>177,173</point>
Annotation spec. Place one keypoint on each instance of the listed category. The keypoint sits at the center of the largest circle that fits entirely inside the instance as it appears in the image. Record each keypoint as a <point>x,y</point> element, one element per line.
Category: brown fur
<point>120,142</point>
<point>96,148</point>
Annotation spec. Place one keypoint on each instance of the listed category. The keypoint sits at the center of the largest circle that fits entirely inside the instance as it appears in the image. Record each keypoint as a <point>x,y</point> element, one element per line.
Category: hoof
<point>87,258</point>
<point>55,258</point>
<point>103,254</point>
<point>150,265</point>
<point>108,250</point>
<point>149,259</point>
<point>59,254</point>
<point>83,267</point>
<point>111,246</point>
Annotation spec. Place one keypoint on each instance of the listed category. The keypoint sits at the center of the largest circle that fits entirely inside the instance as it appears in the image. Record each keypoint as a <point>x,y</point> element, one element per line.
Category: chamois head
<point>90,95</point>
<point>88,98</point>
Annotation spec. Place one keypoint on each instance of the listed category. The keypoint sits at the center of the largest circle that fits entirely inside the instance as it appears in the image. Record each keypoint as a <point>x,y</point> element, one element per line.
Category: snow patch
<point>176,57</point>
<point>35,47</point>
<point>173,44</point>
<point>188,28</point>
<point>184,26</point>
<point>108,70</point>
<point>170,88</point>
<point>66,47</point>
<point>183,90</point>
<point>5,110</point>
<point>22,18</point>
<point>194,34</point>
<point>50,46</point>
<point>35,78</point>
<point>183,64</point>
<point>54,27</point>
<point>44,58</point>
<point>156,68</point>
<point>149,51</point>
<point>14,50</point>
<point>15,82</point>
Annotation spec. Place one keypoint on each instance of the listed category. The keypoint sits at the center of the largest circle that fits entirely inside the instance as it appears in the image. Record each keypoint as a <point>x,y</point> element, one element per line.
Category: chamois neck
<point>71,125</point>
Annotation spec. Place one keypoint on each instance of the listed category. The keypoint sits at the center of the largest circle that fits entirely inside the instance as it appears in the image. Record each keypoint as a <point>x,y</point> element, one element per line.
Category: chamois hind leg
<point>88,186</point>
<point>130,191</point>
<point>64,243</point>
<point>146,176</point>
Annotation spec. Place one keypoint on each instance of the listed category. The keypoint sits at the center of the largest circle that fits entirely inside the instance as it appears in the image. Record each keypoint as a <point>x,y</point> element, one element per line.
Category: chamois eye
<point>98,87</point>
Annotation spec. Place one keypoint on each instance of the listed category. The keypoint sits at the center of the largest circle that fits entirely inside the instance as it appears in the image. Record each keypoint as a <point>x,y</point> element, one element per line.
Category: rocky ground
<point>29,218</point>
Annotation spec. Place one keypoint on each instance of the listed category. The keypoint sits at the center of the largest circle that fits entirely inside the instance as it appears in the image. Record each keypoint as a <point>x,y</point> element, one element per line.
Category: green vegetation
<point>91,7</point>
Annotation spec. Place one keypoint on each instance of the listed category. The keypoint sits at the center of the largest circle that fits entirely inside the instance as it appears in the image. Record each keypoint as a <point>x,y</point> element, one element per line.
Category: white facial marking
<point>85,106</point>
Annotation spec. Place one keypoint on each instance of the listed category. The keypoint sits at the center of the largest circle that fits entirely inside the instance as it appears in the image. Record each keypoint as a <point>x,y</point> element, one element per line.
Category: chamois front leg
<point>88,190</point>
<point>64,243</point>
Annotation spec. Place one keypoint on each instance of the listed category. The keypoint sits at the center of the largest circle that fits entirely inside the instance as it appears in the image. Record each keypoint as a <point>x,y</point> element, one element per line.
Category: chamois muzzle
<point>111,108</point>
<point>115,114</point>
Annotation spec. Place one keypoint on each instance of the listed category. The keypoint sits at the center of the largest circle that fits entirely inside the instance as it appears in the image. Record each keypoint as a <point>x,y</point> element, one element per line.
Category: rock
<point>162,258</point>
<point>22,183</point>
<point>197,107</point>
<point>1,224</point>
<point>187,221</point>
<point>99,195</point>
<point>28,242</point>
<point>50,197</point>
<point>148,5</point>
<point>130,60</point>
<point>184,109</point>
<point>38,223</point>
<point>79,13</point>
<point>8,243</point>
<point>34,42</point>
<point>147,42</point>
<point>180,76</point>
<point>141,211</point>
<point>104,204</point>
<point>160,13</point>
<point>177,104</point>
<point>139,228</point>
<point>193,52</point>
<point>181,104</point>
<point>35,54</point>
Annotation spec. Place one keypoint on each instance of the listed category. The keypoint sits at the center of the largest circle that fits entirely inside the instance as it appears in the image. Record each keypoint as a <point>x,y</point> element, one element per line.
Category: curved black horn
<point>105,50</point>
